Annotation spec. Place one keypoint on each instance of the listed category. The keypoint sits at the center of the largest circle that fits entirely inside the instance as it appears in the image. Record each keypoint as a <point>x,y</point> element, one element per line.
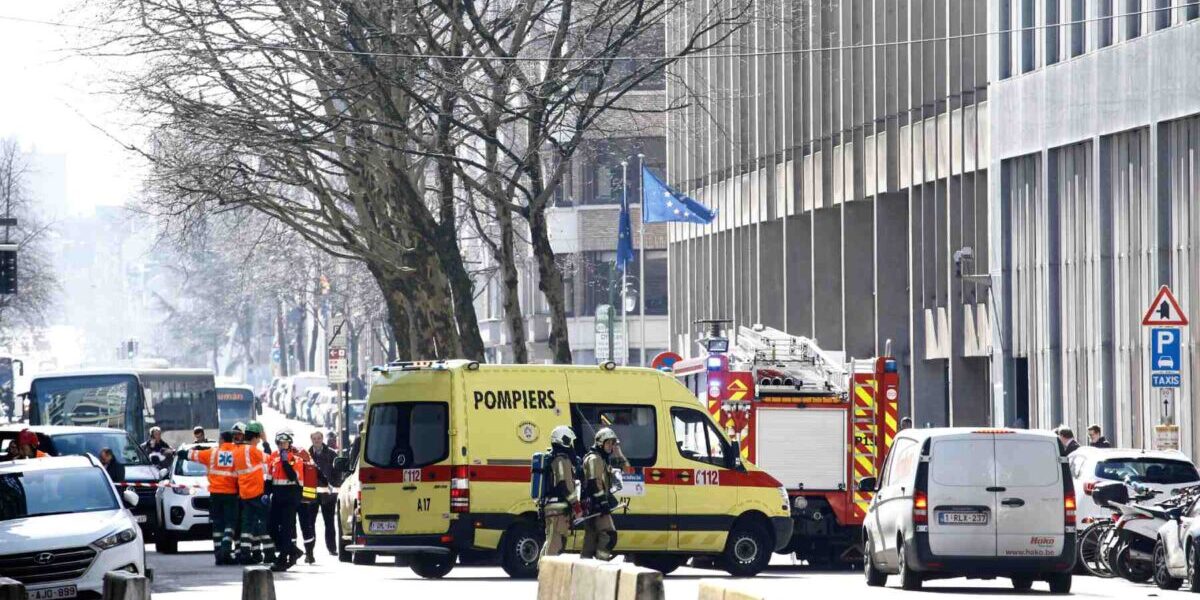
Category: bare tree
<point>37,286</point>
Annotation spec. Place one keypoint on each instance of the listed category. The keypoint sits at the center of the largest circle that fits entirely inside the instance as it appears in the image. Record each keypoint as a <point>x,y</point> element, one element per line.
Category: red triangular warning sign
<point>1164,310</point>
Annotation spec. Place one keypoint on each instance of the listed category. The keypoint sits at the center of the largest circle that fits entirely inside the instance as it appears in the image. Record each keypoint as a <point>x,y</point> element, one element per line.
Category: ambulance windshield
<point>408,435</point>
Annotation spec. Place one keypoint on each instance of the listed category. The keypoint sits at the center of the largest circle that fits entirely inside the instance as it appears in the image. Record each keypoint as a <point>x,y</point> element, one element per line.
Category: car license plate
<point>139,518</point>
<point>64,591</point>
<point>382,526</point>
<point>963,518</point>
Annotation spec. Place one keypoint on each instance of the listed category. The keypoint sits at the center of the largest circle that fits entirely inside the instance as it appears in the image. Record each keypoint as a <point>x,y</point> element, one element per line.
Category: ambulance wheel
<point>747,551</point>
<point>433,566</point>
<point>363,558</point>
<point>519,550</point>
<point>663,563</point>
<point>166,543</point>
<point>342,553</point>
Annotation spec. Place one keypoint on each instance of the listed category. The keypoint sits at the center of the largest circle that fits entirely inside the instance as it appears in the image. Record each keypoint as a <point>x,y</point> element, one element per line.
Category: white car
<point>1162,471</point>
<point>963,502</point>
<point>64,525</point>
<point>183,504</point>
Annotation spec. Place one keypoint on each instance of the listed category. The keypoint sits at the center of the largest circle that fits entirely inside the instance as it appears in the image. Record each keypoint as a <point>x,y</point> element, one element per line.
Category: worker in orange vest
<point>254,546</point>
<point>222,491</point>
<point>286,467</point>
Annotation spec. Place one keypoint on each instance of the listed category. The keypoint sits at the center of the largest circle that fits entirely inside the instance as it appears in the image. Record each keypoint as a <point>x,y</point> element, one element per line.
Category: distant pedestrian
<point>116,470</point>
<point>1096,437</point>
<point>198,436</point>
<point>156,448</point>
<point>906,423</point>
<point>1067,438</point>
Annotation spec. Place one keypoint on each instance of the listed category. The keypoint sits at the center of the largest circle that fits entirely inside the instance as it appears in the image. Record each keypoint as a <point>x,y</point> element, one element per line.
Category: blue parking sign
<point>1164,349</point>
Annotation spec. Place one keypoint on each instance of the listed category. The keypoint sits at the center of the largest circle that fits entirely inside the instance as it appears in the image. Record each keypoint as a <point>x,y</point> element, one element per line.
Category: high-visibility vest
<point>249,464</point>
<point>310,481</point>
<point>275,467</point>
<point>222,475</point>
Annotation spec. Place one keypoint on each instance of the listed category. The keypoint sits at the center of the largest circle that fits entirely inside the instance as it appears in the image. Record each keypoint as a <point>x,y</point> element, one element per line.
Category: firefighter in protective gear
<point>600,534</point>
<point>223,492</point>
<point>239,432</point>
<point>254,545</point>
<point>26,446</point>
<point>562,499</point>
<point>286,468</point>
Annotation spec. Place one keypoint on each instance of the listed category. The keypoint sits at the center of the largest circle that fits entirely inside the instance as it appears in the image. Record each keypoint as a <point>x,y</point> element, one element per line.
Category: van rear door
<point>1029,519</point>
<point>961,495</point>
<point>405,471</point>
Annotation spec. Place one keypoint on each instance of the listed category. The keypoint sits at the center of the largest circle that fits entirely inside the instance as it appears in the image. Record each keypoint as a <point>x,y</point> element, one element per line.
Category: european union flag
<point>660,203</point>
<point>624,238</point>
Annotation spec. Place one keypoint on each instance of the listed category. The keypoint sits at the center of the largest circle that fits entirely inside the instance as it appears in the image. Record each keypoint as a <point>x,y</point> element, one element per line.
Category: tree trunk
<point>550,281</point>
<point>512,283</point>
<point>316,333</point>
<point>300,366</point>
<point>281,336</point>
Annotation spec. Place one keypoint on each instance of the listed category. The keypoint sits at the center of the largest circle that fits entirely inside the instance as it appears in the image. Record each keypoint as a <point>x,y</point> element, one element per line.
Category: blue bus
<point>176,400</point>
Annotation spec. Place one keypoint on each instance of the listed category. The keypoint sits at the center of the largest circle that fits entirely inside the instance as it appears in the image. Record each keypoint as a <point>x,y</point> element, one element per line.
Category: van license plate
<point>963,518</point>
<point>65,591</point>
<point>382,526</point>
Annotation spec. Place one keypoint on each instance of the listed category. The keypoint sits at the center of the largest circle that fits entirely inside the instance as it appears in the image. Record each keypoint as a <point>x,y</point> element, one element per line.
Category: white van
<point>978,503</point>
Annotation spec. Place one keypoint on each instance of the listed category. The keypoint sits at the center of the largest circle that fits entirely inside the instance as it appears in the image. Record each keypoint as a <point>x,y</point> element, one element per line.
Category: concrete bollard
<point>554,578</point>
<point>122,585</point>
<point>258,583</point>
<point>11,589</point>
<point>583,578</point>
<point>607,581</point>
<point>716,589</point>
<point>638,583</point>
<point>711,589</point>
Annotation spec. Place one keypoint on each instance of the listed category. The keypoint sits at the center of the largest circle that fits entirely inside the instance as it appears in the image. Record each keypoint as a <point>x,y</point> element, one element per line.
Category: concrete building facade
<point>996,187</point>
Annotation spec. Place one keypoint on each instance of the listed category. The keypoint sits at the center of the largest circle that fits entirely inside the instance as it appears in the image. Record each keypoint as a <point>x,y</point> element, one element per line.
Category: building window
<point>1105,24</point>
<point>1078,28</point>
<point>1006,21</point>
<point>1133,19</point>
<point>1053,32</point>
<point>1192,9</point>
<point>1162,14</point>
<point>1028,39</point>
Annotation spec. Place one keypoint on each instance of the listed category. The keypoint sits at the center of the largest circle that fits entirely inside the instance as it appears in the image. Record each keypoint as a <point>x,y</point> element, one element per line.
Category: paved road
<point>191,575</point>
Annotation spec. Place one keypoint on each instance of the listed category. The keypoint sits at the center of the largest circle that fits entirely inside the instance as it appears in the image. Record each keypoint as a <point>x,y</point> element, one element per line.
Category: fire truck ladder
<point>807,369</point>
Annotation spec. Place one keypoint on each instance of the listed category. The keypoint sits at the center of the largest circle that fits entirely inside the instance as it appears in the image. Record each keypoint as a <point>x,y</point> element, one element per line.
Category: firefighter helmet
<point>283,436</point>
<point>239,427</point>
<point>562,436</point>
<point>254,427</point>
<point>604,435</point>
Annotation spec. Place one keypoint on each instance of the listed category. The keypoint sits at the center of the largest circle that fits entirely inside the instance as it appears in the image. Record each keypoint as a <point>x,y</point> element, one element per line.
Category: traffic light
<point>8,268</point>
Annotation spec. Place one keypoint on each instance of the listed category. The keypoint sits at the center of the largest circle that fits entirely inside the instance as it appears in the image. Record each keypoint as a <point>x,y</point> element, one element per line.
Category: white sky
<point>48,96</point>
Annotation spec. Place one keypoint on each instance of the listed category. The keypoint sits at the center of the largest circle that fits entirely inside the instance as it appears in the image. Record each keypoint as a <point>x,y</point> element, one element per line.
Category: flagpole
<point>642,259</point>
<point>624,316</point>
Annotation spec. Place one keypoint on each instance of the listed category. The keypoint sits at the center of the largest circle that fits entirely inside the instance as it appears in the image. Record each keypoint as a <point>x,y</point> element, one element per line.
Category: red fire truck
<point>817,422</point>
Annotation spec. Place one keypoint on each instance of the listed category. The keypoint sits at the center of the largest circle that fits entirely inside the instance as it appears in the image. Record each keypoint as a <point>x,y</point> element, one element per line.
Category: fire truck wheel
<point>747,551</point>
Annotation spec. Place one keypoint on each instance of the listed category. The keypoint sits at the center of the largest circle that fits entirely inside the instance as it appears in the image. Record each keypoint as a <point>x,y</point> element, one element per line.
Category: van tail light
<point>920,508</point>
<point>1069,510</point>
<point>1089,487</point>
<point>460,490</point>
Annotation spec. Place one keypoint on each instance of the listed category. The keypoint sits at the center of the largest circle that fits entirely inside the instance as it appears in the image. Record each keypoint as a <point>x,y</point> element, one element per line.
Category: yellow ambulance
<point>444,467</point>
